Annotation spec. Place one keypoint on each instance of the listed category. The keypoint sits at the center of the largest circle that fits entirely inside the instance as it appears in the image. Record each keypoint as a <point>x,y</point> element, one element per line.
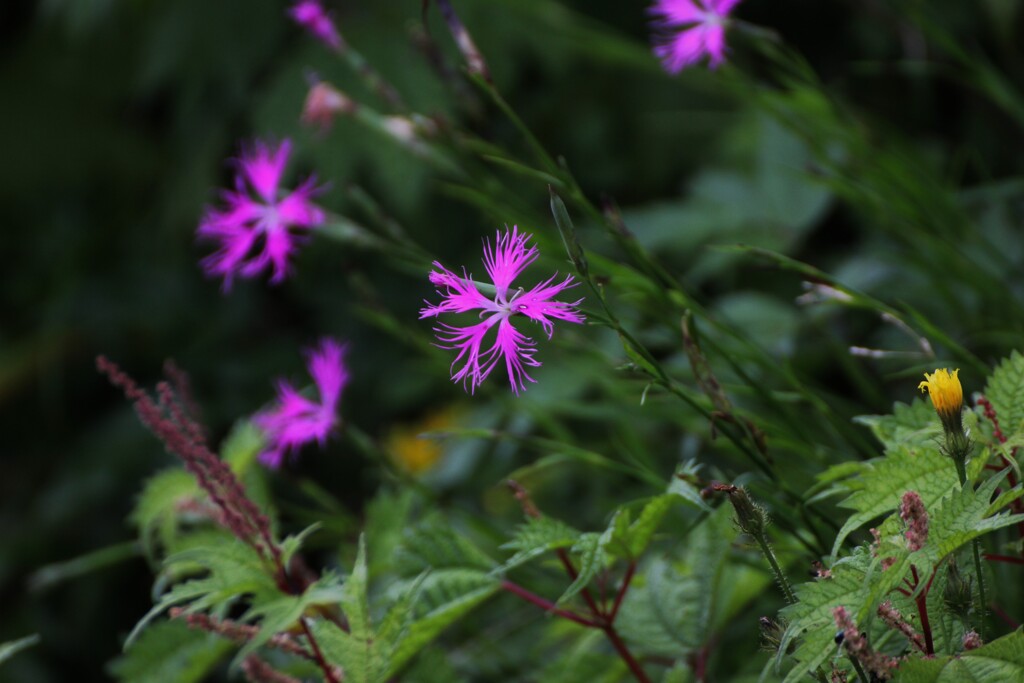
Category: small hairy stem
<point>780,578</point>
<point>1009,559</point>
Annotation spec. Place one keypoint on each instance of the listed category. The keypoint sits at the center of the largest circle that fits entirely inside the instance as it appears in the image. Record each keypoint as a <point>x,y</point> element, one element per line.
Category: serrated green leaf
<point>435,544</point>
<point>687,492</point>
<point>677,605</point>
<point>156,512</point>
<point>171,651</point>
<point>537,536</point>
<point>286,611</point>
<point>293,543</point>
<point>630,540</point>
<point>1000,660</point>
<point>583,662</point>
<point>590,549</point>
<point>422,631</point>
<point>241,446</point>
<point>881,482</point>
<point>1005,389</point>
<point>12,647</point>
<point>912,423</point>
<point>354,598</point>
<point>232,569</point>
<point>359,658</point>
<point>810,620</point>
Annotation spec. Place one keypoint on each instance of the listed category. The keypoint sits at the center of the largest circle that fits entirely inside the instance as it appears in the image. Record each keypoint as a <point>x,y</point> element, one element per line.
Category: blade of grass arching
<point>573,29</point>
<point>50,575</point>
<point>552,447</point>
<point>959,351</point>
<point>979,73</point>
<point>534,144</point>
<point>858,299</point>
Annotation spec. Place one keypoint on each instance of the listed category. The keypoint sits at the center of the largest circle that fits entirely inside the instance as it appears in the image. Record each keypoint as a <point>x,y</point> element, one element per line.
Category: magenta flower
<point>689,30</point>
<point>312,16</point>
<point>255,233</point>
<point>296,420</point>
<point>504,262</point>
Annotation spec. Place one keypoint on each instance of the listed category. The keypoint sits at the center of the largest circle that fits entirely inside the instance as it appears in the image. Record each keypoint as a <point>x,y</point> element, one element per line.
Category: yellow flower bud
<point>947,397</point>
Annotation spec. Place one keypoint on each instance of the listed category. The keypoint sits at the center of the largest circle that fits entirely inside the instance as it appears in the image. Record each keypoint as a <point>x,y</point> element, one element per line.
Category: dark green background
<point>117,117</point>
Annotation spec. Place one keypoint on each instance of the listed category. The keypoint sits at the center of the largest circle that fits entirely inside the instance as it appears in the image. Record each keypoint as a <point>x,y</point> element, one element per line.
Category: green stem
<point>766,548</point>
<point>960,459</point>
<point>981,588</point>
<point>861,676</point>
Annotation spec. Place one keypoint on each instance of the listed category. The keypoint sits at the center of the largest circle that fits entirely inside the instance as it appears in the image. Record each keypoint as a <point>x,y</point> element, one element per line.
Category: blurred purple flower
<point>312,16</point>
<point>296,420</point>
<point>255,233</point>
<point>504,261</point>
<point>690,29</point>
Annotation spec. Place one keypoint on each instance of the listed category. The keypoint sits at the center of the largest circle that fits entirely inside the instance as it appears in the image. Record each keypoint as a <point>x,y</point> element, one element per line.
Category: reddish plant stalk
<point>547,605</point>
<point>329,671</point>
<point>1011,477</point>
<point>1001,613</point>
<point>599,618</point>
<point>170,421</point>
<point>623,589</point>
<point>1003,558</point>
<point>922,610</point>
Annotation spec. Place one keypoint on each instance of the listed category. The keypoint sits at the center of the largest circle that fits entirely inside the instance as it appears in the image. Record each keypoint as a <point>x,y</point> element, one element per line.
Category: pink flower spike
<point>254,233</point>
<point>312,16</point>
<point>504,261</point>
<point>689,30</point>
<point>296,420</point>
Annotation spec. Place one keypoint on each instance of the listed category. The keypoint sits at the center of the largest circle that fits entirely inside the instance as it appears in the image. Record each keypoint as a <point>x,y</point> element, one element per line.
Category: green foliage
<point>1000,660</point>
<point>170,651</point>
<point>370,655</point>
<point>157,514</point>
<point>537,536</point>
<point>1005,389</point>
<point>877,484</point>
<point>13,647</point>
<point>684,601</point>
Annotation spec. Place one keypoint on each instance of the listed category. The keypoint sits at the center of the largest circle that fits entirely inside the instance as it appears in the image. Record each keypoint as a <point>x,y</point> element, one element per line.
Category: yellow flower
<point>415,453</point>
<point>947,396</point>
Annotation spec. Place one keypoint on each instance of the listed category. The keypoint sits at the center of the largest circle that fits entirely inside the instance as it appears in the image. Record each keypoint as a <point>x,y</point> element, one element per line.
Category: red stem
<point>1003,558</point>
<point>328,670</point>
<point>999,612</point>
<point>573,574</point>
<point>627,657</point>
<point>990,412</point>
<point>546,605</point>
<point>922,610</point>
<point>622,591</point>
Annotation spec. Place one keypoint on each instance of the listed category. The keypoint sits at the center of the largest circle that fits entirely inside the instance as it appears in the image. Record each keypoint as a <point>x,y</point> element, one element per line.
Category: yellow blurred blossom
<point>414,452</point>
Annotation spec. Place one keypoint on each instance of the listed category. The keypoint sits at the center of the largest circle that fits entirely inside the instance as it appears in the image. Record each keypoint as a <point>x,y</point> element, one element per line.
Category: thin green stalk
<point>769,554</point>
<point>961,471</point>
<point>861,676</point>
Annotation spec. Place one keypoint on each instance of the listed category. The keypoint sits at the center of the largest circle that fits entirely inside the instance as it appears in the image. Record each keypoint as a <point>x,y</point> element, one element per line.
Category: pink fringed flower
<point>312,16</point>
<point>504,261</point>
<point>689,30</point>
<point>296,420</point>
<point>257,232</point>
